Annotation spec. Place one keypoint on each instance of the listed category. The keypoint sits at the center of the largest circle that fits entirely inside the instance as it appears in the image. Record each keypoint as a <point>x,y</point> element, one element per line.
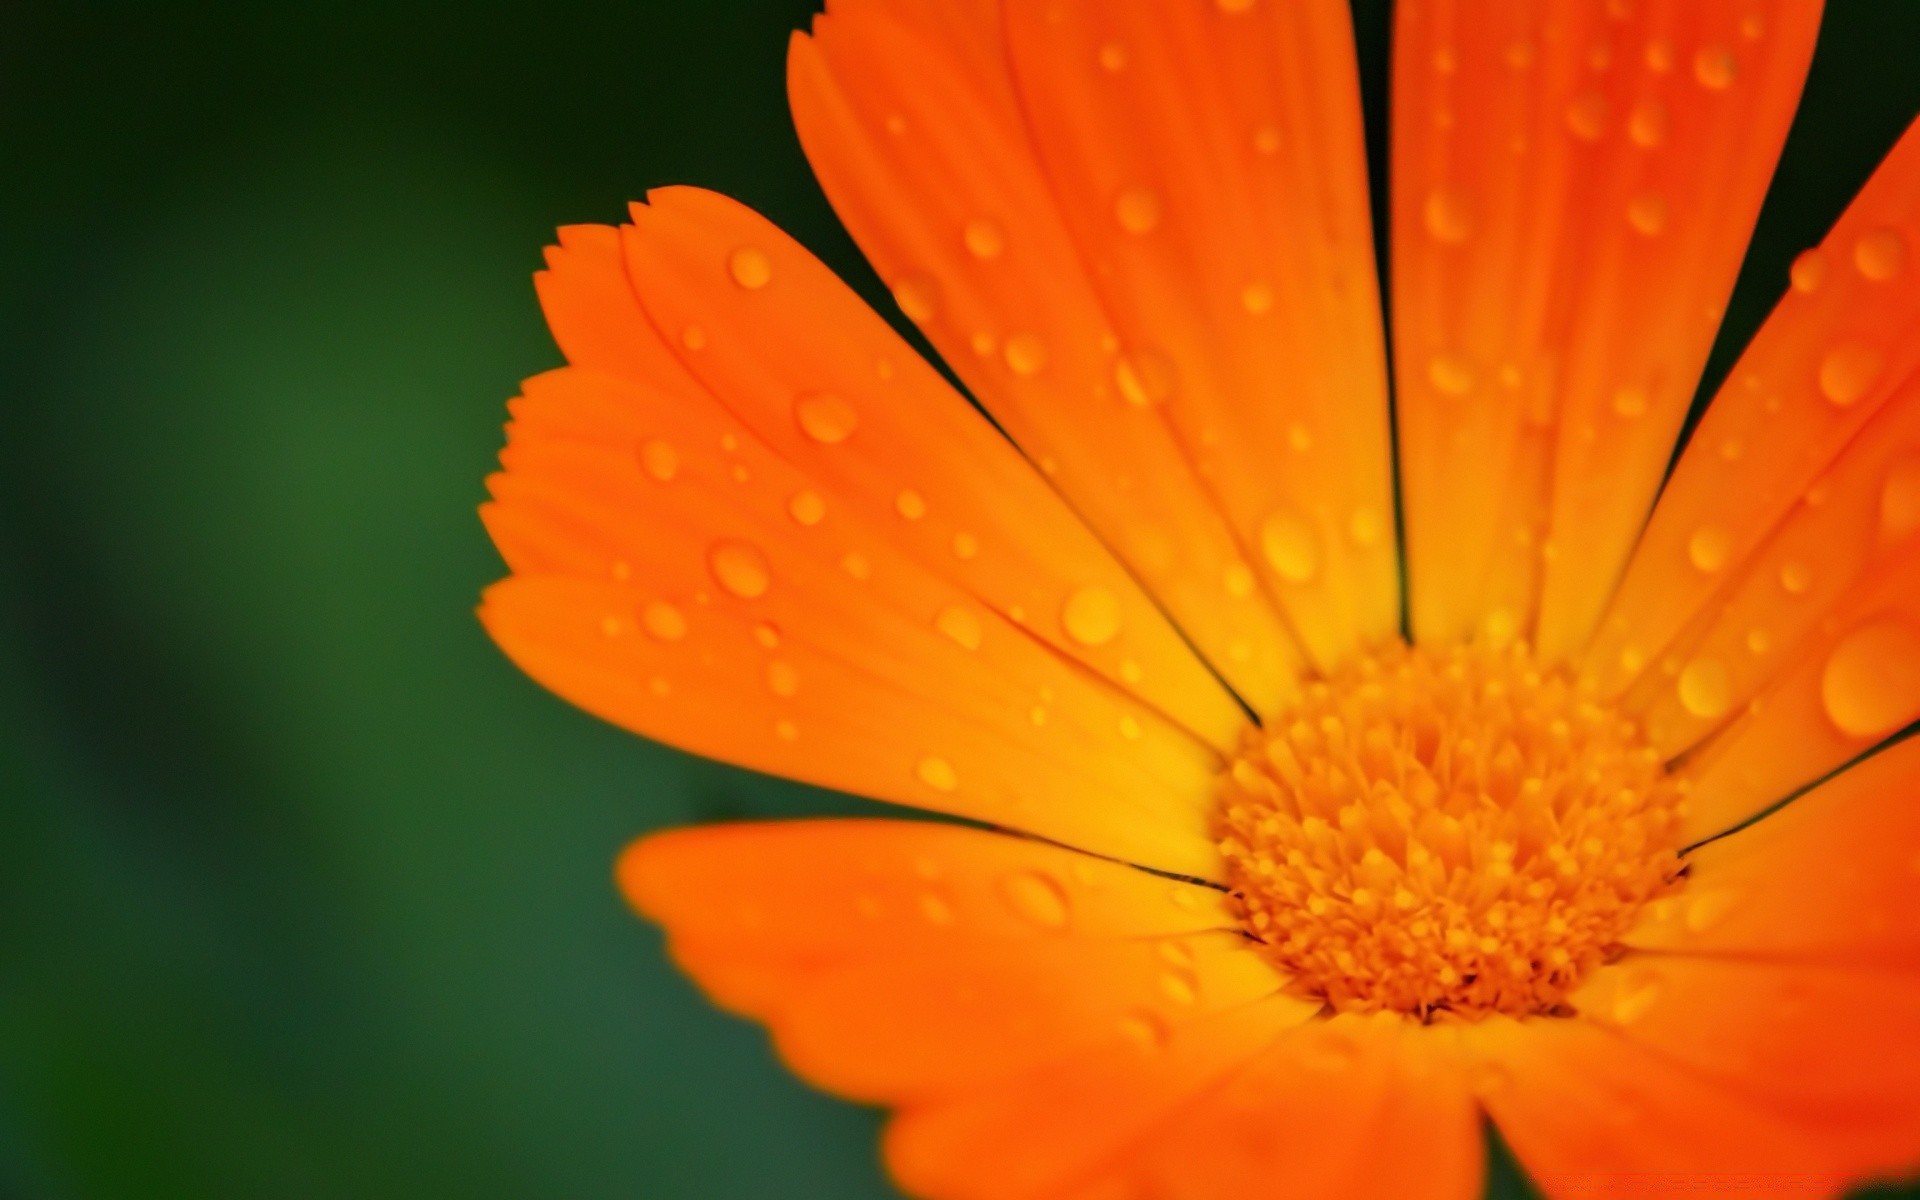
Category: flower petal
<point>1237,130</point>
<point>905,961</point>
<point>1574,186</point>
<point>920,145</point>
<point>1312,1115</point>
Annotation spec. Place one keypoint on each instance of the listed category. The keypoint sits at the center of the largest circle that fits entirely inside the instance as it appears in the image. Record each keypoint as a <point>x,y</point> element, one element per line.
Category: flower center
<point>1446,830</point>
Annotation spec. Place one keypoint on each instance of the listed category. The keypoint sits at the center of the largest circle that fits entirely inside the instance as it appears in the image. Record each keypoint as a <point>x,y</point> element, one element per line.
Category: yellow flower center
<point>1446,830</point>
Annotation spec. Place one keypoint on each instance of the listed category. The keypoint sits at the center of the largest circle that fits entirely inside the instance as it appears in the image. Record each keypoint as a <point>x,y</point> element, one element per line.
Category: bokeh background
<point>304,892</point>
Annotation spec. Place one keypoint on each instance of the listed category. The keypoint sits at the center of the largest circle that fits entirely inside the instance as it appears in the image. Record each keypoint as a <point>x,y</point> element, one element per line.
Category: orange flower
<point>1271,902</point>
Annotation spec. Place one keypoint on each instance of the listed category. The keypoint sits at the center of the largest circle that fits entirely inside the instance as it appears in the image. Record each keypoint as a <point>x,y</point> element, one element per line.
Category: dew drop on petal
<point>1871,683</point>
<point>1795,578</point>
<point>1450,375</point>
<point>1715,68</point>
<point>984,238</point>
<point>1256,298</point>
<point>1709,547</point>
<point>1146,1029</point>
<point>1026,354</point>
<point>937,773</point>
<point>1036,898</point>
<point>1137,209</point>
<point>918,297</point>
<point>1900,498</point>
<point>1809,270</point>
<point>934,909</point>
<point>1704,688</point>
<point>910,505</point>
<point>960,625</point>
<point>1113,57</point>
<point>825,417</point>
<point>750,267</point>
<point>1448,217</point>
<point>782,679</point>
<point>739,568</point>
<point>1587,116</point>
<point>1290,547</point>
<point>1365,527</point>
<point>1144,378</point>
<point>806,507</point>
<point>1630,402</point>
<point>1848,371</point>
<point>663,621</point>
<point>1647,123</point>
<point>1091,615</point>
<point>1880,254</point>
<point>1647,214</point>
<point>965,545</point>
<point>1238,580</point>
<point>767,634</point>
<point>659,460</point>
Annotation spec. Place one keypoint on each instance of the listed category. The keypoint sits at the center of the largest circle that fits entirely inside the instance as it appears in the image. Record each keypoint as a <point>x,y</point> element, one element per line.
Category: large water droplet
<point>1290,547</point>
<point>1880,254</point>
<point>1256,298</point>
<point>1037,898</point>
<point>1848,371</point>
<point>1871,684</point>
<point>1178,988</point>
<point>1795,578</point>
<point>1449,218</point>
<point>1647,123</point>
<point>1026,354</point>
<point>961,625</point>
<point>664,621</point>
<point>1715,68</point>
<point>918,297</point>
<point>1707,909</point>
<point>1450,375</point>
<point>1704,688</point>
<point>984,238</point>
<point>750,267</point>
<point>825,417</point>
<point>782,679</point>
<point>1630,401</point>
<point>1709,548</point>
<point>1238,580</point>
<point>659,460</point>
<point>1113,57</point>
<point>1137,209</point>
<point>1809,270</point>
<point>1091,615</point>
<point>1366,527</point>
<point>1146,1029</point>
<point>1647,214</point>
<point>740,568</point>
<point>1900,498</point>
<point>937,773</point>
<point>934,909</point>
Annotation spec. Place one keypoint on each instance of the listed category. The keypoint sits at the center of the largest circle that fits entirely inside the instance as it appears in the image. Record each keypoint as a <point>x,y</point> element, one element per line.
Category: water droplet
<point>1238,580</point>
<point>1450,375</point>
<point>1647,123</point>
<point>1137,209</point>
<point>1266,139</point>
<point>1299,438</point>
<point>1178,988</point>
<point>918,297</point>
<point>1808,271</point>
<point>1660,56</point>
<point>782,679</point>
<point>984,238</point>
<point>806,507</point>
<point>1880,254</point>
<point>1130,671</point>
<point>739,568</point>
<point>1635,997</point>
<point>1026,354</point>
<point>1715,68</point>
<point>1290,546</point>
<point>1130,727</point>
<point>1871,683</point>
<point>1091,615</point>
<point>1587,116</point>
<point>1704,689</point>
<point>825,417</point>
<point>1647,214</point>
<point>767,634</point>
<point>1752,26</point>
<point>961,625</point>
<point>1147,1030</point>
<point>1144,378</point>
<point>935,910</point>
<point>1113,56</point>
<point>664,621</point>
<point>693,338</point>
<point>786,730</point>
<point>1630,401</point>
<point>937,773</point>
<point>910,504</point>
<point>1900,498</point>
<point>750,267</point>
<point>1706,910</point>
<point>1520,55</point>
<point>1256,298</point>
<point>1365,527</point>
<point>660,460</point>
<point>1848,371</point>
<point>1795,578</point>
<point>1709,548</point>
<point>855,564</point>
<point>1448,216</point>
<point>1234,6</point>
<point>965,545</point>
<point>1037,898</point>
<point>1758,641</point>
<point>659,686</point>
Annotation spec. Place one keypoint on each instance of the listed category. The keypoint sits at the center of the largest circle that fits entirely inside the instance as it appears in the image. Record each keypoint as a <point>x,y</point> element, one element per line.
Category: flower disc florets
<point>1446,830</point>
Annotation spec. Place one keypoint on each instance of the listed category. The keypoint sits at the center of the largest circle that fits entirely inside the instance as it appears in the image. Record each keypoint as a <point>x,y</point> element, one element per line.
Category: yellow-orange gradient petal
<point>1573,189</point>
<point>923,150</point>
<point>898,962</point>
<point>1340,1109</point>
<point>1771,602</point>
<point>1210,164</point>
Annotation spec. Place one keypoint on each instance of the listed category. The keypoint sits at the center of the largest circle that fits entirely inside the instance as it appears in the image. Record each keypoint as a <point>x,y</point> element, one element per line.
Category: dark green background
<point>305,891</point>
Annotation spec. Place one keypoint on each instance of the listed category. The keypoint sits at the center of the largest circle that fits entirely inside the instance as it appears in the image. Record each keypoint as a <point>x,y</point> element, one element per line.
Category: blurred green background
<point>305,891</point>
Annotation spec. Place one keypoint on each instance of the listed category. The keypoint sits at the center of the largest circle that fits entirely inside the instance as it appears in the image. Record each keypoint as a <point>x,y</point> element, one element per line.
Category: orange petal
<point>1574,186</point>
<point>705,605</point>
<point>920,145</point>
<point>901,960</point>
<point>1341,1109</point>
<point>1042,1131</point>
<point>825,384</point>
<point>1833,877</point>
<point>1819,405</point>
<point>1210,164</point>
